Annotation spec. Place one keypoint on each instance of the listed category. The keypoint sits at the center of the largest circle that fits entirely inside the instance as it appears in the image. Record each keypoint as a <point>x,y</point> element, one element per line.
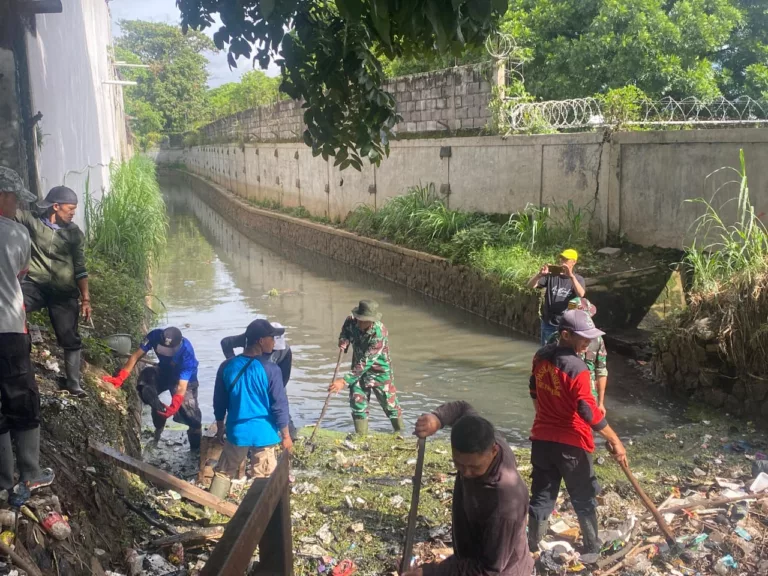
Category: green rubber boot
<point>361,426</point>
<point>220,486</point>
<point>397,424</point>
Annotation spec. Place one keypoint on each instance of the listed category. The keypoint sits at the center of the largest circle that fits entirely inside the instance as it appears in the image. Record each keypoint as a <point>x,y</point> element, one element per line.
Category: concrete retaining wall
<point>459,286</point>
<point>635,183</point>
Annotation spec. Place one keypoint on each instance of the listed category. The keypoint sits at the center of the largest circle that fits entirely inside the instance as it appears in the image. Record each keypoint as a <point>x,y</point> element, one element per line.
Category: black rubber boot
<point>537,529</point>
<point>6,462</point>
<point>194,437</point>
<point>589,535</point>
<point>72,370</point>
<point>28,453</point>
<point>361,426</point>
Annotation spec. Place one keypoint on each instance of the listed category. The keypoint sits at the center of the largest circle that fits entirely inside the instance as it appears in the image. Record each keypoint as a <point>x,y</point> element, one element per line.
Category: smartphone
<point>555,269</point>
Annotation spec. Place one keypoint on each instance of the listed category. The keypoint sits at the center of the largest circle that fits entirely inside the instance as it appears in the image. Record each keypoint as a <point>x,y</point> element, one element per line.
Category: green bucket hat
<point>367,311</point>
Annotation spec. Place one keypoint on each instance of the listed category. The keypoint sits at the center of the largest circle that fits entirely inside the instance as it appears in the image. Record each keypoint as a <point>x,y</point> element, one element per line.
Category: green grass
<point>512,248</point>
<point>129,224</point>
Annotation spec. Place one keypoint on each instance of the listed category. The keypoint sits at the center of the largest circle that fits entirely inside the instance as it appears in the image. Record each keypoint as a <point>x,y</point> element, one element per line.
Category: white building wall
<point>83,122</point>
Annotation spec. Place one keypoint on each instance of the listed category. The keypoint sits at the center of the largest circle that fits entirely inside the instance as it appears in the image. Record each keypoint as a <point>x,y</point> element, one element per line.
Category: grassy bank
<point>351,497</point>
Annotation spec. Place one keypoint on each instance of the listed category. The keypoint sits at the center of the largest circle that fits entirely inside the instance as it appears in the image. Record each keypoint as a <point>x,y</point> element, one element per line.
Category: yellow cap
<point>570,254</point>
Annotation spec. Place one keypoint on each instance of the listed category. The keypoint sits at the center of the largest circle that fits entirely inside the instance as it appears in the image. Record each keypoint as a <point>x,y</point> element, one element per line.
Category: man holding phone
<point>561,284</point>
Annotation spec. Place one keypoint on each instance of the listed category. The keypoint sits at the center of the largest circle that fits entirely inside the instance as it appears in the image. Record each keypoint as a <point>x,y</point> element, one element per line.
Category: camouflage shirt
<point>596,359</point>
<point>370,353</point>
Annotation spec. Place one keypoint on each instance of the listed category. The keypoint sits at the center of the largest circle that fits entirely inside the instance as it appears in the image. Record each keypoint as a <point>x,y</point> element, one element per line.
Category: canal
<point>213,281</point>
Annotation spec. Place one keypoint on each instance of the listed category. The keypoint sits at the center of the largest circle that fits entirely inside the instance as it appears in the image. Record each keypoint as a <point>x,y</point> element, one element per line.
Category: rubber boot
<point>6,462</point>
<point>28,453</point>
<point>72,371</point>
<point>591,541</point>
<point>220,486</point>
<point>537,529</point>
<point>361,426</point>
<point>397,424</point>
<point>194,437</point>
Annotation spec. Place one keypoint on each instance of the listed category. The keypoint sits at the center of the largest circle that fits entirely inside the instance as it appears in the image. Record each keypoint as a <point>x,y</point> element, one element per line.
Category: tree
<point>582,47</point>
<point>254,89</point>
<point>173,91</point>
<point>329,52</point>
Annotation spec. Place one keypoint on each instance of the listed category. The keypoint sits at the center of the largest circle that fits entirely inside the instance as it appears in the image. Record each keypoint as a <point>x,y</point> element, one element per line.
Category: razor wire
<point>580,113</point>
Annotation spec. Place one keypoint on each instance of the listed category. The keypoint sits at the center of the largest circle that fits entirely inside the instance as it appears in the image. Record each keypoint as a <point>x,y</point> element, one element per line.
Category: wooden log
<point>17,560</point>
<point>201,535</point>
<point>244,532</point>
<point>162,479</point>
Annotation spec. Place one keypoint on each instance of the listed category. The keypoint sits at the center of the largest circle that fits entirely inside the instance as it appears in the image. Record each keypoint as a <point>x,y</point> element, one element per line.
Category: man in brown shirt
<point>490,499</point>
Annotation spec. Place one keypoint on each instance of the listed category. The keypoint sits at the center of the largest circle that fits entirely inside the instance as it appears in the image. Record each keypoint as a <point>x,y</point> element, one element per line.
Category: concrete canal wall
<point>636,183</point>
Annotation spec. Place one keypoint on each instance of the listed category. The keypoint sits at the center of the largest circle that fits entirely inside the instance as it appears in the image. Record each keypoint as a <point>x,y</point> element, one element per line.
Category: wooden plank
<point>276,546</point>
<point>162,479</point>
<point>243,533</point>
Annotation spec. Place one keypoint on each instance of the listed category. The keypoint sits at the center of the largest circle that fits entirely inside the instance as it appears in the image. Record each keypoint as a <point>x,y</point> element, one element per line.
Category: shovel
<point>663,526</point>
<point>310,445</point>
<point>414,511</point>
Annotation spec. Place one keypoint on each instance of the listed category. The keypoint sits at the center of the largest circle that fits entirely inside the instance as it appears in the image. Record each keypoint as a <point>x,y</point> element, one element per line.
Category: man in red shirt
<point>562,443</point>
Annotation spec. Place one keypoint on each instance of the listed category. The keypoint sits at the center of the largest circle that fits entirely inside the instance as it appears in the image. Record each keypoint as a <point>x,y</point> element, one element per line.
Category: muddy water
<point>213,281</point>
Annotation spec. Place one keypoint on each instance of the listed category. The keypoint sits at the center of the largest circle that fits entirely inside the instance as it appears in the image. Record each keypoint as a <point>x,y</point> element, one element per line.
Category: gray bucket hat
<point>10,181</point>
<point>367,311</point>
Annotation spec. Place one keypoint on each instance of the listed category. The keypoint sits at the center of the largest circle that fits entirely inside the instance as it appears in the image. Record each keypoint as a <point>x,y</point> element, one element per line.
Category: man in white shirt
<point>19,396</point>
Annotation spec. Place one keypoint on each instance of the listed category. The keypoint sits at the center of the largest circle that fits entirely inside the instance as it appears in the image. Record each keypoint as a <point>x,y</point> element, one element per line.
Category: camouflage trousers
<point>386,394</point>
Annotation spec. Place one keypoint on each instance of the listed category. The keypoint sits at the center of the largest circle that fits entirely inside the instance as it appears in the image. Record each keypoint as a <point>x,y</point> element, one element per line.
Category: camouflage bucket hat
<point>582,304</point>
<point>11,182</point>
<point>367,311</point>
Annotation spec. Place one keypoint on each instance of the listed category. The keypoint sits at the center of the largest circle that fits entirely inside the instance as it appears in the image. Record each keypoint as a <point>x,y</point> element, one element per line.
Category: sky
<point>166,11</point>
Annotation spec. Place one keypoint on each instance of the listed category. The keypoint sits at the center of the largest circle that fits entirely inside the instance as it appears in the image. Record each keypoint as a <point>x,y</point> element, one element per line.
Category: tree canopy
<point>171,94</point>
<point>254,89</point>
<point>329,55</point>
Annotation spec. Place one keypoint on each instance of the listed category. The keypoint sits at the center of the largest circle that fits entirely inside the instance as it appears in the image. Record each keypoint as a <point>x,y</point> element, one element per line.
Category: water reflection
<point>214,281</point>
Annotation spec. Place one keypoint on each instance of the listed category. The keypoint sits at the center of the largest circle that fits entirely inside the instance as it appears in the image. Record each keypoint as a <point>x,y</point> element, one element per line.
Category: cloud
<point>165,11</point>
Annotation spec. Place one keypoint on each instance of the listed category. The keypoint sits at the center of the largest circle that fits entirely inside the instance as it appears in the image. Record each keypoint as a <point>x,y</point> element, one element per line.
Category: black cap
<point>171,342</point>
<point>260,329</point>
<point>58,195</point>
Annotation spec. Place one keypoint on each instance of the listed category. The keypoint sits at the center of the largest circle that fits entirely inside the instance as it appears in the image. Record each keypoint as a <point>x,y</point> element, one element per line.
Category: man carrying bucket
<point>371,369</point>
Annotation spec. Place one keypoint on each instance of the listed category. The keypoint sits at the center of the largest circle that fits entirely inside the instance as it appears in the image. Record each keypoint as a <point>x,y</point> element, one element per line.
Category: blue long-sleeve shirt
<point>255,404</point>
<point>183,364</point>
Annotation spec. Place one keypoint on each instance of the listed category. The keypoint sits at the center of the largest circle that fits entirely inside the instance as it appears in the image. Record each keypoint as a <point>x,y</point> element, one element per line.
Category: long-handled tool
<point>414,511</point>
<point>310,445</point>
<point>663,526</point>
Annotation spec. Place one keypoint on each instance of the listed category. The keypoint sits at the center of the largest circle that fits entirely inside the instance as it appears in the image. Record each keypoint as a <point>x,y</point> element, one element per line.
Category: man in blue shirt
<point>176,372</point>
<point>249,392</point>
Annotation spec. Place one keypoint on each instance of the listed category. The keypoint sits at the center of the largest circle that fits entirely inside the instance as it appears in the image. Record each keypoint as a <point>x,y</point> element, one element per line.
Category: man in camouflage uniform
<point>596,356</point>
<point>371,367</point>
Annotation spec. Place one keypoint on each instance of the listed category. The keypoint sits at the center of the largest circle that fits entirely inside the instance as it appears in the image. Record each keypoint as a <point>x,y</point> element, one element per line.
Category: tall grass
<point>513,250</point>
<point>722,254</point>
<point>128,225</point>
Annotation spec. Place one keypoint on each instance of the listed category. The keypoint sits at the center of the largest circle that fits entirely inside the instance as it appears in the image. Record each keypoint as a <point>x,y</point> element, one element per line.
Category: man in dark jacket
<point>57,276</point>
<point>562,442</point>
<point>490,499</point>
<point>281,355</point>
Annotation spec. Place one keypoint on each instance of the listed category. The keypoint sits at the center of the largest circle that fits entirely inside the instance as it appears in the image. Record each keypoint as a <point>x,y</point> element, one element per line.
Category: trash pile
<point>717,509</point>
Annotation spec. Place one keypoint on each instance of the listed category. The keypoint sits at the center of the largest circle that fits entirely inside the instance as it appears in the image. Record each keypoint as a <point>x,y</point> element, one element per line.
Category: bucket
<point>120,343</point>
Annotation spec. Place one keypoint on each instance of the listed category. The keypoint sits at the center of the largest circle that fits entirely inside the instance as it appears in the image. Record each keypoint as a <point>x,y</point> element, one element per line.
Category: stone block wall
<point>444,100</point>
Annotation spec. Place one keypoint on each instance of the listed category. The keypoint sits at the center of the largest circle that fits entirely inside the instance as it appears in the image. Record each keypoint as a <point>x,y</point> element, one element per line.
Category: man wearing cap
<point>57,276</point>
<point>249,393</point>
<point>558,290</point>
<point>595,357</point>
<point>562,442</point>
<point>176,372</point>
<point>20,405</point>
<point>371,367</point>
<point>281,355</point>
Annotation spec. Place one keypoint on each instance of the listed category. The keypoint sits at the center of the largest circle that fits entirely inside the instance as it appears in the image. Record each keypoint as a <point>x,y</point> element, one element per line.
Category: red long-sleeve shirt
<point>566,411</point>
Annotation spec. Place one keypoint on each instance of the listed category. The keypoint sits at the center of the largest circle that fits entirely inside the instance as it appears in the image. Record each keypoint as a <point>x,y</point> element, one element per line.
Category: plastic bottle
<point>56,526</point>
